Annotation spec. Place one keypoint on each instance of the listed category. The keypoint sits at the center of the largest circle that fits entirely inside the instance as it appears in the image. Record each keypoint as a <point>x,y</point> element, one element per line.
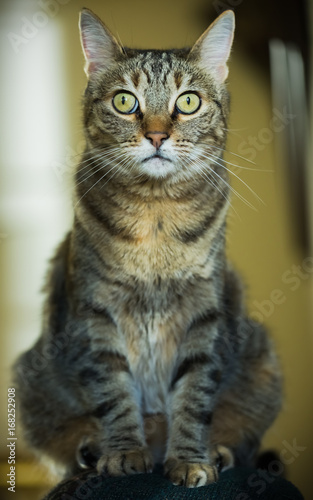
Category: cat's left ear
<point>212,49</point>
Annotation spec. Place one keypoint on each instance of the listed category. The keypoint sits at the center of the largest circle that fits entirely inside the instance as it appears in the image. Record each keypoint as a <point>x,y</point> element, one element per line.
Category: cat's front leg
<point>190,461</point>
<point>107,386</point>
<point>120,447</point>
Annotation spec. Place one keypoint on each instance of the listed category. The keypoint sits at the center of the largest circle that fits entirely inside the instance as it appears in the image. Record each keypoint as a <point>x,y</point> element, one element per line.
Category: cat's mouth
<point>158,166</point>
<point>156,156</point>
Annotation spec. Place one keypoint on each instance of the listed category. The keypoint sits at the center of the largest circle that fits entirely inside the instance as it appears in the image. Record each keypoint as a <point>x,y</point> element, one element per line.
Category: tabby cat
<point>144,317</point>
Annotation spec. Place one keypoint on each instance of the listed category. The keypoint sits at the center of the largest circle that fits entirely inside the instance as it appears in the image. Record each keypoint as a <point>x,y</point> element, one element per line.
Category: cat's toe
<point>223,457</point>
<point>87,454</point>
<point>125,462</point>
<point>191,475</point>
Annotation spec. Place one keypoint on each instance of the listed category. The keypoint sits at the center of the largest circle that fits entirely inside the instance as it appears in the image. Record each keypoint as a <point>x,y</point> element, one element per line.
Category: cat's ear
<point>99,45</point>
<point>212,49</point>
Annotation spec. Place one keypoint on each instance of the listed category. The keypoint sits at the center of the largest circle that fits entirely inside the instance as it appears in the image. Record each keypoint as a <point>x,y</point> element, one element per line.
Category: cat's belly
<point>152,363</point>
<point>152,388</point>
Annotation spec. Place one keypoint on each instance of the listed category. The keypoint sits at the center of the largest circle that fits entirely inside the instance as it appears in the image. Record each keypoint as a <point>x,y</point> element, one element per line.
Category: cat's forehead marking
<point>165,70</point>
<point>178,78</point>
<point>156,66</point>
<point>159,72</point>
<point>136,78</point>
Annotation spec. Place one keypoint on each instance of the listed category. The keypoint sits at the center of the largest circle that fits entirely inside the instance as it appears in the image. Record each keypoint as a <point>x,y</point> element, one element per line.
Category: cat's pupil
<point>188,100</point>
<point>123,99</point>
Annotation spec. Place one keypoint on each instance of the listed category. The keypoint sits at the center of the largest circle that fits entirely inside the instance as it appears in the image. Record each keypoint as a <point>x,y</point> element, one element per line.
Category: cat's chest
<point>152,347</point>
<point>158,239</point>
<point>159,243</point>
<point>152,224</point>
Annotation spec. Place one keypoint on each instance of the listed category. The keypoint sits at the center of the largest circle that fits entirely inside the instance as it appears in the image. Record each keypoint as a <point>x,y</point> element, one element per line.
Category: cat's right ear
<point>99,46</point>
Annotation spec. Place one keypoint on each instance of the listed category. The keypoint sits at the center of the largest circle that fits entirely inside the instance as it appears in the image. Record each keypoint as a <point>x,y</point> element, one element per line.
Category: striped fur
<point>143,324</point>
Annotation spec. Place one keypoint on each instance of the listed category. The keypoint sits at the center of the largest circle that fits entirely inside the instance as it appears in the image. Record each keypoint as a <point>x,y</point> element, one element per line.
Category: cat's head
<point>157,114</point>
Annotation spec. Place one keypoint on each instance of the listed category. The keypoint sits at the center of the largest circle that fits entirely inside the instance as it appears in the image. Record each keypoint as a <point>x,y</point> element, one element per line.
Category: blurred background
<point>269,153</point>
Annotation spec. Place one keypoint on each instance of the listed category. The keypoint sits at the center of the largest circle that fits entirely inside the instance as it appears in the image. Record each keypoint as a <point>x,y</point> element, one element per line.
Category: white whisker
<point>118,169</point>
<point>230,152</point>
<point>215,185</point>
<point>93,171</point>
<point>115,166</point>
<point>98,156</point>
<point>202,170</point>
<point>232,189</point>
<point>235,175</point>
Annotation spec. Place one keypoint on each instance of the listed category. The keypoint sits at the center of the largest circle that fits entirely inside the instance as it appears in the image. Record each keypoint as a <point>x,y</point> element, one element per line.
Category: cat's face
<point>156,114</point>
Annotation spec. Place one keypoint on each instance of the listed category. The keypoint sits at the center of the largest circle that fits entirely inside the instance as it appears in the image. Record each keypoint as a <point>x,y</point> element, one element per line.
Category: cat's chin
<point>158,167</point>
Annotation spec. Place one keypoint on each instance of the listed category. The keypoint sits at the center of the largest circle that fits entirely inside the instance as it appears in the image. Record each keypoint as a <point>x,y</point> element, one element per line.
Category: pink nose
<point>156,138</point>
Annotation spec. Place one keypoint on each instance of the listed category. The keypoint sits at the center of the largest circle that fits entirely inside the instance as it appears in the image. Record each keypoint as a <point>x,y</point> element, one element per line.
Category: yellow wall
<point>261,242</point>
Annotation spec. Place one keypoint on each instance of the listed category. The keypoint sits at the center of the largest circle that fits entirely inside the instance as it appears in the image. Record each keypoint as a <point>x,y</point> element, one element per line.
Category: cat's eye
<point>125,103</point>
<point>188,103</point>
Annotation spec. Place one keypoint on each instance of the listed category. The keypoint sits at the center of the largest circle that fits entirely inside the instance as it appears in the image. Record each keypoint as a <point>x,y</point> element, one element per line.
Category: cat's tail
<point>269,460</point>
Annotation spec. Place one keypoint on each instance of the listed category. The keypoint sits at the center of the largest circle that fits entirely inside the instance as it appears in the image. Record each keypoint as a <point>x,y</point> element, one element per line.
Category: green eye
<point>125,103</point>
<point>188,103</point>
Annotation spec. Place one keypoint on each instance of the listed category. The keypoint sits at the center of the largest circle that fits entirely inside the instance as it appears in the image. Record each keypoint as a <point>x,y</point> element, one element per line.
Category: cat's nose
<point>156,138</point>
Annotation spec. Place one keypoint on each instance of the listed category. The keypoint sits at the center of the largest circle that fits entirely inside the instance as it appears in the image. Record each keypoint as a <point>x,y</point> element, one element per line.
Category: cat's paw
<point>223,457</point>
<point>125,462</point>
<point>191,475</point>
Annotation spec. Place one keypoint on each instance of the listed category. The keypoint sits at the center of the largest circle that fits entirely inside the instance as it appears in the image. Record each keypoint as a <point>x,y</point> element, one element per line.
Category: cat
<point>144,316</point>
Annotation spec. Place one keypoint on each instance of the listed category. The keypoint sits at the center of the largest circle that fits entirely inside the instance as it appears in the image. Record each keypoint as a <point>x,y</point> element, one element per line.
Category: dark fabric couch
<point>235,484</point>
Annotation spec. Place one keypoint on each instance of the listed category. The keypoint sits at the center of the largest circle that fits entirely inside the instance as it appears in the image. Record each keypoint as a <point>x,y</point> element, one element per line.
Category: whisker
<point>96,157</point>
<point>98,169</point>
<point>232,153</point>
<point>211,180</point>
<point>235,175</point>
<point>101,178</point>
<point>118,169</point>
<point>96,149</point>
<point>234,129</point>
<point>239,166</point>
<point>90,160</point>
<point>232,189</point>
